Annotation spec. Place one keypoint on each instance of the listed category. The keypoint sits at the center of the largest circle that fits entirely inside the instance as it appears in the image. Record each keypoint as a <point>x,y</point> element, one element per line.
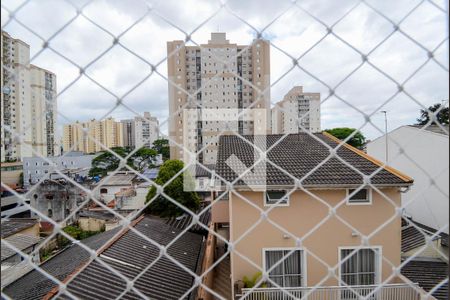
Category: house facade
<point>305,223</point>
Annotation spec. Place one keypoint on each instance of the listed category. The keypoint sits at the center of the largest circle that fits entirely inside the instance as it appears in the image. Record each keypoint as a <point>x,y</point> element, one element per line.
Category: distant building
<point>56,199</point>
<point>10,172</point>
<point>28,104</point>
<point>140,131</point>
<point>219,75</point>
<point>297,110</point>
<point>14,207</point>
<point>36,169</point>
<point>423,154</point>
<point>93,136</point>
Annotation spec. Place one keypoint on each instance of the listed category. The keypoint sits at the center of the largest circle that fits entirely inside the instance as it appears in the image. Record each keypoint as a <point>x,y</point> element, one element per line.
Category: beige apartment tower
<point>297,112</point>
<point>28,104</point>
<point>88,137</point>
<point>218,75</point>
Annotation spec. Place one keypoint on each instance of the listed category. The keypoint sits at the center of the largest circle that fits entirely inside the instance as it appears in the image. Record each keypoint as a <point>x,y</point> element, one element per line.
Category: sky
<point>80,34</point>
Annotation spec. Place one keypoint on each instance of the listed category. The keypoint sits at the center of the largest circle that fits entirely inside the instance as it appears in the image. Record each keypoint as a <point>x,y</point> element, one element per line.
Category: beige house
<point>305,223</point>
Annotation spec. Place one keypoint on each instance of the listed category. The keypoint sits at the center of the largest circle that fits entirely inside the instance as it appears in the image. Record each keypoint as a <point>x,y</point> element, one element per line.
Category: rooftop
<point>35,285</point>
<point>19,241</point>
<point>433,128</point>
<point>294,156</point>
<point>163,280</point>
<point>119,178</point>
<point>428,273</point>
<point>14,225</point>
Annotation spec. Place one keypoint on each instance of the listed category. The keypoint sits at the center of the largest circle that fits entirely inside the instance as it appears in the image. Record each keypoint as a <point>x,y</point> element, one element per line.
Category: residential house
<point>13,206</point>
<point>307,222</point>
<point>11,173</point>
<point>106,189</point>
<point>421,152</point>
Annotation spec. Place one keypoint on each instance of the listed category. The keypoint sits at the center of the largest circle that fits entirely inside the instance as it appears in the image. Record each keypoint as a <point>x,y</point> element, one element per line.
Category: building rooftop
<point>295,156</point>
<point>14,225</point>
<point>120,178</point>
<point>19,241</point>
<point>35,285</point>
<point>414,234</point>
<point>428,273</point>
<point>433,128</point>
<point>163,280</point>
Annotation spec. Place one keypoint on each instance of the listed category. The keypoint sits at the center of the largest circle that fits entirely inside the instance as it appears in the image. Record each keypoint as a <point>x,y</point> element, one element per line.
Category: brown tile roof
<point>297,155</point>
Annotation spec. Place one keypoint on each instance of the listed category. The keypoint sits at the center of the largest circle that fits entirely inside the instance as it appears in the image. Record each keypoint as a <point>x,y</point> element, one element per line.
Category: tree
<point>21,179</point>
<point>357,140</point>
<point>175,189</point>
<point>162,147</point>
<point>442,116</point>
<point>143,158</point>
<point>105,162</point>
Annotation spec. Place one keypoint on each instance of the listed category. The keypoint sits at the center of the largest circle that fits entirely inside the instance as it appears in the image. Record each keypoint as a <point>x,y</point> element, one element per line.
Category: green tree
<point>175,189</point>
<point>342,133</point>
<point>106,161</point>
<point>162,147</point>
<point>143,158</point>
<point>442,116</point>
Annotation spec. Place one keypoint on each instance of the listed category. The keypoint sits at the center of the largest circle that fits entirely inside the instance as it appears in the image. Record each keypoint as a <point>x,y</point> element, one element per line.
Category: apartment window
<point>361,197</point>
<point>285,267</point>
<point>361,267</point>
<point>279,198</point>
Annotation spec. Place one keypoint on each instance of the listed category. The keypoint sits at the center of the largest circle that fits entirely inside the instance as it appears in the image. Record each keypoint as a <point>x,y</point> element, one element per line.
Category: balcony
<point>385,292</point>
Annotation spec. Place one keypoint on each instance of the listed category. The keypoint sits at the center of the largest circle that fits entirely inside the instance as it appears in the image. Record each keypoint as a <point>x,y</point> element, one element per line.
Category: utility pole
<point>386,135</point>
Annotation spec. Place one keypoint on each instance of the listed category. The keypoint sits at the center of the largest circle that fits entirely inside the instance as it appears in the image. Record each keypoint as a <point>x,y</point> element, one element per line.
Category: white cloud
<point>294,31</point>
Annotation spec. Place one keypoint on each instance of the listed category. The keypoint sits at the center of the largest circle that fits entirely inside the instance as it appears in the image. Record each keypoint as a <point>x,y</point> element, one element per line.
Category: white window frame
<point>288,196</point>
<point>303,255</point>
<point>369,194</point>
<point>378,261</point>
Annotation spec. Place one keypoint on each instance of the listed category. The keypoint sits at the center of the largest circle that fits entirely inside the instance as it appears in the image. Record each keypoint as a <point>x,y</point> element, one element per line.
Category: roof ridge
<point>391,170</point>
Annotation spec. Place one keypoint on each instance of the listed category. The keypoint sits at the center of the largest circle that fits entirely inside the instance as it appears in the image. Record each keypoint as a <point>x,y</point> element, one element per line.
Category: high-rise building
<point>297,112</point>
<point>140,131</point>
<point>218,75</point>
<point>28,104</point>
<point>146,130</point>
<point>93,136</point>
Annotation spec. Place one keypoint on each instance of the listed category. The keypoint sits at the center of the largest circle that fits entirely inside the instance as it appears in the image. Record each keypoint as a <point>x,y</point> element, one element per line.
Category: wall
<point>11,172</point>
<point>220,212</point>
<point>300,219</point>
<point>91,224</point>
<point>424,152</point>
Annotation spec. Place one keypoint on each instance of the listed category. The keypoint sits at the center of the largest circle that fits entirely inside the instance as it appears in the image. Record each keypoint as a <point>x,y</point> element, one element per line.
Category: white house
<point>423,155</point>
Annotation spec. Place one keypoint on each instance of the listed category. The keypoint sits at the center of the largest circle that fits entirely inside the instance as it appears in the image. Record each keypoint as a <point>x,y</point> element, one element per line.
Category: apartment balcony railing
<point>369,292</point>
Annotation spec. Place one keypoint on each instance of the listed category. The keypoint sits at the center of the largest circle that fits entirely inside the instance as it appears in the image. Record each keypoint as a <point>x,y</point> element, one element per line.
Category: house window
<point>103,191</point>
<point>285,267</point>
<point>279,198</point>
<point>363,196</point>
<point>361,267</point>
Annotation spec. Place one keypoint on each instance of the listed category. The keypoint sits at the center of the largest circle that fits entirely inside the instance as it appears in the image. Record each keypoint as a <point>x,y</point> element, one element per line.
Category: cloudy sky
<point>144,27</point>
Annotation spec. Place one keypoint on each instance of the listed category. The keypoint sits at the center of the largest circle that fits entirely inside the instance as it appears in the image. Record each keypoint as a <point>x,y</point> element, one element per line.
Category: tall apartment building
<point>28,104</point>
<point>297,109</point>
<point>89,137</point>
<point>216,75</point>
<point>140,131</point>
